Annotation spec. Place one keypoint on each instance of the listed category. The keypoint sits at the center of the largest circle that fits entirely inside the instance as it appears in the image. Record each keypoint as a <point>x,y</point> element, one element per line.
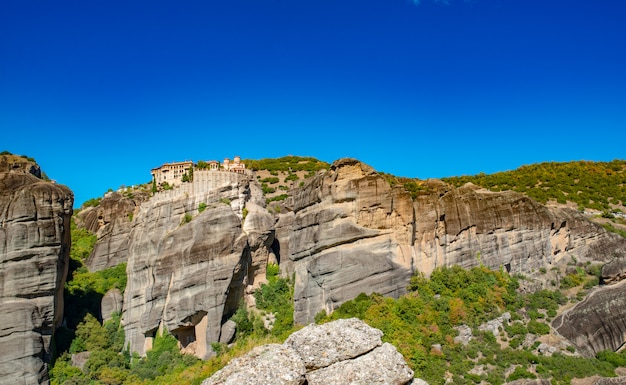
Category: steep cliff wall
<point>345,231</point>
<point>187,269</point>
<point>349,231</point>
<point>111,221</point>
<point>34,251</point>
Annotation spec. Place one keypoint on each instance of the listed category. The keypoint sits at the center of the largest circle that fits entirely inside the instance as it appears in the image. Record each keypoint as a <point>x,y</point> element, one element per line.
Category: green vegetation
<point>93,202</point>
<point>266,189</point>
<point>291,177</point>
<point>225,201</point>
<point>270,180</point>
<point>286,164</point>
<point>187,218</point>
<point>415,187</point>
<point>593,185</point>
<point>452,296</point>
<point>201,207</point>
<point>280,197</point>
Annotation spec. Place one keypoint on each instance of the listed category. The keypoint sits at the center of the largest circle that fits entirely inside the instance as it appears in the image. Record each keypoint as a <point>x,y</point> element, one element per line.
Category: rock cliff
<point>343,232</point>
<point>599,321</point>
<point>34,252</point>
<point>348,231</point>
<point>188,268</point>
<point>111,221</point>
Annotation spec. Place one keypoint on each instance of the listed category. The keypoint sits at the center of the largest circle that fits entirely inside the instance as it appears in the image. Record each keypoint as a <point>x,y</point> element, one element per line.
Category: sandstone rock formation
<point>598,322</point>
<point>339,352</point>
<point>348,231</point>
<point>345,231</point>
<point>111,221</point>
<point>111,303</point>
<point>188,270</point>
<point>34,251</point>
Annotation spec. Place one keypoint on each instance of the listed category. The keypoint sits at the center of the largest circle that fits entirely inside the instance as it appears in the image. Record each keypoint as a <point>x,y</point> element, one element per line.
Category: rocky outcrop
<point>111,303</point>
<point>111,221</point>
<point>598,322</point>
<point>34,251</point>
<point>348,231</point>
<point>343,232</point>
<point>614,271</point>
<point>188,270</point>
<point>339,352</point>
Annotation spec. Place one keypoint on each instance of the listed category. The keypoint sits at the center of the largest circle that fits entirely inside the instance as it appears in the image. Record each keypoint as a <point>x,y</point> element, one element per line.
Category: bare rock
<point>598,322</point>
<point>323,345</point>
<point>34,253</point>
<point>189,270</point>
<point>80,359</point>
<point>614,271</point>
<point>465,335</point>
<point>112,222</point>
<point>267,364</point>
<point>611,381</point>
<point>339,352</point>
<point>228,331</point>
<point>111,303</point>
<point>384,366</point>
<point>348,231</point>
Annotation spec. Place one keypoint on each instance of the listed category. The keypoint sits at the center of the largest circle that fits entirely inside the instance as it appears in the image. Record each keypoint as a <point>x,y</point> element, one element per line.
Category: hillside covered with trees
<point>589,185</point>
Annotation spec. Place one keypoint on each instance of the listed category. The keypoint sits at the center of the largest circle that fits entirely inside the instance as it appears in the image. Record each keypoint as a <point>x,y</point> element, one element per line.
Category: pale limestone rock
<point>339,352</point>
<point>268,364</point>
<point>34,252</point>
<point>382,366</point>
<point>187,270</point>
<point>111,303</point>
<point>348,231</point>
<point>228,331</point>
<point>344,339</point>
<point>111,221</point>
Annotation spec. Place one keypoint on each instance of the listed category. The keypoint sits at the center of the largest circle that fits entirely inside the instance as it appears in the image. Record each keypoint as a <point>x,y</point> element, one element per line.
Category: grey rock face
<point>323,345</point>
<point>34,252</point>
<point>188,270</point>
<point>267,364</point>
<point>349,232</point>
<point>111,221</point>
<point>598,322</point>
<point>342,352</point>
<point>111,303</point>
<point>614,271</point>
<point>383,366</point>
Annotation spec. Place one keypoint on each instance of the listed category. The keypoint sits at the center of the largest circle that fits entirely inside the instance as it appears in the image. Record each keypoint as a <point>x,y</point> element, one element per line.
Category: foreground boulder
<point>34,253</point>
<point>340,352</point>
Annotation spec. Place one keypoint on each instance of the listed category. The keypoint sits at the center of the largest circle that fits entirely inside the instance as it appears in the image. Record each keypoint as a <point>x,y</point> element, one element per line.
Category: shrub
<point>538,328</point>
<point>201,207</point>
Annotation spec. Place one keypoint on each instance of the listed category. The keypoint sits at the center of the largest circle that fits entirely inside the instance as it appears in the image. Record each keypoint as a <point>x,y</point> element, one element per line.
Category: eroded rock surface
<point>188,270</point>
<point>344,352</point>
<point>111,221</point>
<point>267,364</point>
<point>598,322</point>
<point>349,232</point>
<point>34,251</point>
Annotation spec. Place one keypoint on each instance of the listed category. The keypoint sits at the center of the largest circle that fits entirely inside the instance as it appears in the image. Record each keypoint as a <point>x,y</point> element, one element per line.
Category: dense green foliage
<point>287,164</point>
<point>594,185</point>
<point>428,315</point>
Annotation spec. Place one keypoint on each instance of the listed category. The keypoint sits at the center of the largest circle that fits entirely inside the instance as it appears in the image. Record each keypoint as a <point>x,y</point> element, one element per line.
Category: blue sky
<point>101,92</point>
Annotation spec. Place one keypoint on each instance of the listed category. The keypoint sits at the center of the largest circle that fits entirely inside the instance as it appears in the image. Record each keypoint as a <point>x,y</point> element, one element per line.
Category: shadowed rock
<point>34,252</point>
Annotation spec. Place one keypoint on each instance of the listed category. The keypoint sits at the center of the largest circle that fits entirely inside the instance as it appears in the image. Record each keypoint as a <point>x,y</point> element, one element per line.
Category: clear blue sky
<point>100,92</point>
